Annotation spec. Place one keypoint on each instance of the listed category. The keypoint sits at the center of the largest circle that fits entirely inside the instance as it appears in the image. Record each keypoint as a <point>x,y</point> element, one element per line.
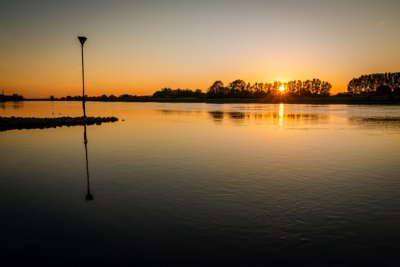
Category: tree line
<point>110,98</point>
<point>377,84</point>
<point>241,89</point>
<point>172,93</point>
<point>235,89</point>
<point>13,97</point>
<point>380,84</point>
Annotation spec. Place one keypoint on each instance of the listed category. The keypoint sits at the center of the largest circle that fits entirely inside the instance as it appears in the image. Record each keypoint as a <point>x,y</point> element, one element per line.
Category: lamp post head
<point>82,39</point>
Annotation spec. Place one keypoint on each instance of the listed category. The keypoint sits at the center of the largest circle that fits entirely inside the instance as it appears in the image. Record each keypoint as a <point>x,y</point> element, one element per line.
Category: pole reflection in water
<point>89,196</point>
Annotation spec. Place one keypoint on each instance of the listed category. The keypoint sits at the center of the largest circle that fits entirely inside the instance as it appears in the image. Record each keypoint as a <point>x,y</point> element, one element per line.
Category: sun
<point>282,88</point>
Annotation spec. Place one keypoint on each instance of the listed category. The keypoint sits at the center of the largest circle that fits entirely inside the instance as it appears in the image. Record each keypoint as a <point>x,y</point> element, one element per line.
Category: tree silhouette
<point>13,97</point>
<point>383,90</point>
<point>241,89</point>
<point>176,93</point>
<point>217,90</point>
<point>368,84</point>
<point>396,91</point>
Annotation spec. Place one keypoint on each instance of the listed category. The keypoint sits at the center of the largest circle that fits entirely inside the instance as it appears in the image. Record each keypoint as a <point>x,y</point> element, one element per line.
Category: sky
<point>138,47</point>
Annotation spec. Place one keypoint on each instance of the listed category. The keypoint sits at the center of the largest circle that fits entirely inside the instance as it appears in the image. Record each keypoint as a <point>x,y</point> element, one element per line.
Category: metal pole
<point>83,87</point>
<point>82,40</point>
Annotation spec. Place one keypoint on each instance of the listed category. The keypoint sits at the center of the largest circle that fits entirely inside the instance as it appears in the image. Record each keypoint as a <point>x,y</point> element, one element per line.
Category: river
<point>202,184</point>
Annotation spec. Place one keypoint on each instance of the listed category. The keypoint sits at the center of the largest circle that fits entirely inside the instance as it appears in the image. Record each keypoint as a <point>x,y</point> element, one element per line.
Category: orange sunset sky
<point>138,47</point>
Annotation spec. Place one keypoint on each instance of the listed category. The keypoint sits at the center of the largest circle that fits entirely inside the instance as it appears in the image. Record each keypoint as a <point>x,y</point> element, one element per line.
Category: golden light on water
<point>281,112</point>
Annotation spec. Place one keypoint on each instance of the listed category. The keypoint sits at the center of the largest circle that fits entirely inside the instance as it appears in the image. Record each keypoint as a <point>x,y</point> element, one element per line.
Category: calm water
<point>203,184</point>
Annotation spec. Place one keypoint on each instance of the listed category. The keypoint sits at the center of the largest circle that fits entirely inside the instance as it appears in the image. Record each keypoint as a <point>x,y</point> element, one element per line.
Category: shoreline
<point>350,100</point>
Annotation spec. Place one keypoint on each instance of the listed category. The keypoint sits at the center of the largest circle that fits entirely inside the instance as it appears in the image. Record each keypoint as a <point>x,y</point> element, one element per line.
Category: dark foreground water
<point>202,184</point>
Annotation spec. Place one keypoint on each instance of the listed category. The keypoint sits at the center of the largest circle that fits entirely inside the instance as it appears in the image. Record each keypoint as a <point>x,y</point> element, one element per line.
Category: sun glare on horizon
<point>282,88</point>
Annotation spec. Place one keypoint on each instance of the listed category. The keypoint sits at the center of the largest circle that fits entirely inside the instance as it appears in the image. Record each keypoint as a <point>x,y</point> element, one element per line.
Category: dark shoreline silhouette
<point>14,123</point>
<point>356,100</point>
<point>14,97</point>
<point>383,84</point>
<point>380,88</point>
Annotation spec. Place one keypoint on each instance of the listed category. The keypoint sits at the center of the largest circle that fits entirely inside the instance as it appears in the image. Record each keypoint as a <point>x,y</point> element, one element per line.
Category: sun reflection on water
<point>281,113</point>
